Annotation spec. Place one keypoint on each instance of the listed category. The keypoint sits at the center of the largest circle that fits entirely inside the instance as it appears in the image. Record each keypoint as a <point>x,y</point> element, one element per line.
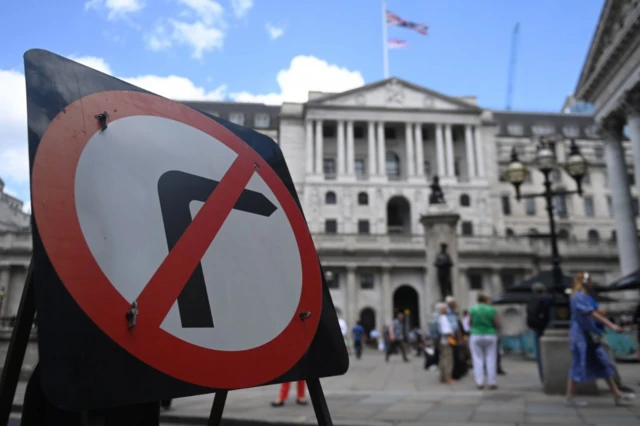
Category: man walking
<point>538,311</point>
<point>358,336</point>
<point>396,337</point>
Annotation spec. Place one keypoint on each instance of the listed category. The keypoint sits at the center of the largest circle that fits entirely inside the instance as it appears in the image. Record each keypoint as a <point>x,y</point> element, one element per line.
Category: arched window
<point>363,199</point>
<point>563,234</point>
<point>393,164</point>
<point>593,236</point>
<point>510,233</point>
<point>330,198</point>
<point>465,201</point>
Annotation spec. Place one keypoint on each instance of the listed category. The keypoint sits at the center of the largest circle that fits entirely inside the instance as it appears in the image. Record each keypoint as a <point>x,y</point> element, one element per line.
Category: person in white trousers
<point>484,341</point>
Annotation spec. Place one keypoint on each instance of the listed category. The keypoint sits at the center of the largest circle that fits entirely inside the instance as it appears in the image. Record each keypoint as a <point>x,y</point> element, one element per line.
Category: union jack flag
<point>396,21</point>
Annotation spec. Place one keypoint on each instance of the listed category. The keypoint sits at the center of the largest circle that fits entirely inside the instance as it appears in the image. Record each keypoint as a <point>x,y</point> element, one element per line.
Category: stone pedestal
<point>440,224</point>
<point>556,362</point>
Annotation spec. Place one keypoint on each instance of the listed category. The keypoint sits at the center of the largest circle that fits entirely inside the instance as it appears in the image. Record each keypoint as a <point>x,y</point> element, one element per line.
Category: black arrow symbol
<point>176,191</point>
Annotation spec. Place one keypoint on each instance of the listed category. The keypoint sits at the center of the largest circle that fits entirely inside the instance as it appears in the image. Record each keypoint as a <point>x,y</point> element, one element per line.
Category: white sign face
<point>252,269</point>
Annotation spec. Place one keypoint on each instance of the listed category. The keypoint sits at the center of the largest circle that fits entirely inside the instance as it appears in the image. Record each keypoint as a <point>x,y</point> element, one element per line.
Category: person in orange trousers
<point>284,394</point>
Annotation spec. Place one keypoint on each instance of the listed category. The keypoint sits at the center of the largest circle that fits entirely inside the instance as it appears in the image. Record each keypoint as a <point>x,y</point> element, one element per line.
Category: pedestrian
<point>589,359</point>
<point>460,357</point>
<point>484,341</point>
<point>538,310</point>
<point>397,337</point>
<point>358,336</point>
<point>447,343</point>
<point>284,394</point>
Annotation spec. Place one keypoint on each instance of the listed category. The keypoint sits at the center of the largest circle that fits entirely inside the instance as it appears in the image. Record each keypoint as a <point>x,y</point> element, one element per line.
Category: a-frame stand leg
<point>319,403</point>
<point>215,418</point>
<point>17,348</point>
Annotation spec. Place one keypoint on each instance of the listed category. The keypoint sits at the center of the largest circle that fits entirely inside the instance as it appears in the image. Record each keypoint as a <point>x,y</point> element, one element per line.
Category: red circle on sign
<point>54,209</point>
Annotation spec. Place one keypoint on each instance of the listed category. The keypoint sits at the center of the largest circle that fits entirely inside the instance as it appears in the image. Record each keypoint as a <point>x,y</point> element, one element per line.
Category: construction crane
<point>512,65</point>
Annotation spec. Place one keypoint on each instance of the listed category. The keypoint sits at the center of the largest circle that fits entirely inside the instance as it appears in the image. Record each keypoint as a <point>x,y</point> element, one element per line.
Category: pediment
<point>397,94</point>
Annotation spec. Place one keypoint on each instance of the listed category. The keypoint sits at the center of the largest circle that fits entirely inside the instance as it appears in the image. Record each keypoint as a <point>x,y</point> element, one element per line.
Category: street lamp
<point>576,167</point>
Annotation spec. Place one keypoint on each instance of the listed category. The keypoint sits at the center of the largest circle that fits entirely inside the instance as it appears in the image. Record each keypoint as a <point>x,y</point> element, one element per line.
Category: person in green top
<point>484,341</point>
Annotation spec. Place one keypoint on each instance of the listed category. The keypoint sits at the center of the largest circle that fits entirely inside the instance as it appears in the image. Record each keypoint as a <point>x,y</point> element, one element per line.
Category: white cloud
<point>241,7</point>
<point>203,35</point>
<point>208,11</point>
<point>305,73</point>
<point>274,32</point>
<point>115,8</point>
<point>14,163</point>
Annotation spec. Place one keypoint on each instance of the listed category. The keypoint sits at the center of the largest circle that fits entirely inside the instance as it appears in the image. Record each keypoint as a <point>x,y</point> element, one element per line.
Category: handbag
<point>594,339</point>
<point>452,341</point>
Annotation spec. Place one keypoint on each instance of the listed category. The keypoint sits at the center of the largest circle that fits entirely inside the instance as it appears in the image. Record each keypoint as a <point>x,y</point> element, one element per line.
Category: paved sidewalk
<point>377,393</point>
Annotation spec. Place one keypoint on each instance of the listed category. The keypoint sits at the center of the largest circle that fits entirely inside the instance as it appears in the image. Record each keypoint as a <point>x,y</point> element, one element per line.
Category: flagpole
<point>385,41</point>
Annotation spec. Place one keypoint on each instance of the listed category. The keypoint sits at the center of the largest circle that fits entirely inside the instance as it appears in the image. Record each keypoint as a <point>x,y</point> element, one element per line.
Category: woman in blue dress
<point>589,360</point>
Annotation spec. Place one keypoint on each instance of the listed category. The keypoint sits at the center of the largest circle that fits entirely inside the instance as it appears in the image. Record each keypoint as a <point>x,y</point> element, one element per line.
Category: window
<point>634,206</point>
<point>363,226</point>
<point>465,201</point>
<point>609,207</point>
<point>501,177</point>
<point>530,206</point>
<point>571,131</point>
<point>556,175</point>
<point>328,131</point>
<point>426,169</point>
<point>528,179</point>
<point>560,204</point>
<point>510,233</point>
<point>330,226</point>
<point>632,179</point>
<point>507,279</point>
<point>363,199</point>
<point>358,132</point>
<point>475,281</point>
<point>262,120</point>
<point>456,167</point>
<point>389,133</point>
<point>393,164</point>
<point>237,118</point>
<point>593,236</point>
<point>359,165</point>
<point>614,236</point>
<point>467,228</point>
<point>532,232</point>
<point>329,167</point>
<point>366,281</point>
<point>588,206</point>
<point>515,129</point>
<point>506,205</point>
<point>563,234</point>
<point>591,131</point>
<point>333,279</point>
<point>599,151</point>
<point>330,198</point>
<point>543,129</point>
<point>586,179</point>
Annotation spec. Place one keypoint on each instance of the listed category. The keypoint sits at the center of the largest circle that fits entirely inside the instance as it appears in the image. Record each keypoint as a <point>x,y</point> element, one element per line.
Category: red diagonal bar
<point>170,278</point>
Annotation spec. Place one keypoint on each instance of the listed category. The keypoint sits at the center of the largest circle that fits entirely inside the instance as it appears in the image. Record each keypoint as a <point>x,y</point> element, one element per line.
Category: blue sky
<point>223,49</point>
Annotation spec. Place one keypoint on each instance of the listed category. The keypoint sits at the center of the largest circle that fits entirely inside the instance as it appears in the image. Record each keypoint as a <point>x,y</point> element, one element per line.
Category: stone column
<point>371,154</point>
<point>419,150</point>
<point>477,138</point>
<point>340,148</point>
<point>4,288</point>
<point>448,140</point>
<point>440,224</point>
<point>440,151</point>
<point>350,149</point>
<point>319,148</point>
<point>387,304</point>
<point>471,158</point>
<point>309,147</point>
<point>408,142</point>
<point>382,151</point>
<point>352,297</point>
<point>633,121</point>
<point>626,232</point>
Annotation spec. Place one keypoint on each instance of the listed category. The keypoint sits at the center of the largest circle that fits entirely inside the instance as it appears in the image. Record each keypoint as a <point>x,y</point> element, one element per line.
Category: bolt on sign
<point>171,254</point>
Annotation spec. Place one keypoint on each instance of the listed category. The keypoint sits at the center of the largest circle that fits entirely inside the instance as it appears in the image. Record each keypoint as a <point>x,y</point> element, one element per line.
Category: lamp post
<point>576,167</point>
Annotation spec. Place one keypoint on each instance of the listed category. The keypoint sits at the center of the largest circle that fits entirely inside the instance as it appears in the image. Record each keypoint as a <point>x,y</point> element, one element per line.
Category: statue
<point>436,196</point>
<point>443,265</point>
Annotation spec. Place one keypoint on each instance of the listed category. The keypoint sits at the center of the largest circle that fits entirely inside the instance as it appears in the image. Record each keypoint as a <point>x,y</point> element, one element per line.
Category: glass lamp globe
<point>576,163</point>
<point>516,172</point>
<point>545,159</point>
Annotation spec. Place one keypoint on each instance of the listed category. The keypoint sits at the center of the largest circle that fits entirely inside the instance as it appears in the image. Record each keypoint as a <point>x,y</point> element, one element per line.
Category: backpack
<point>536,315</point>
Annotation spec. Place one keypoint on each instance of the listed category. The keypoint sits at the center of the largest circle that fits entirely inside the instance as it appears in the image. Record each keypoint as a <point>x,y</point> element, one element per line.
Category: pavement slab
<point>376,393</point>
